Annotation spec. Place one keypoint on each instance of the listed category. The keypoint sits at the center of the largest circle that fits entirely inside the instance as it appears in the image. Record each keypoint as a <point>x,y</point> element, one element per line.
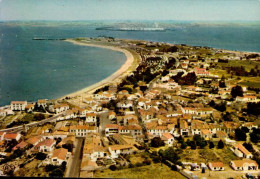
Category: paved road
<point>103,122</point>
<point>19,128</point>
<point>75,162</point>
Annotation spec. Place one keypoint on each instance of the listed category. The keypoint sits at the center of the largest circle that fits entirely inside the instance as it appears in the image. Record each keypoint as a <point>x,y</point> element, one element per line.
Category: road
<point>19,128</point>
<point>103,122</point>
<point>75,162</point>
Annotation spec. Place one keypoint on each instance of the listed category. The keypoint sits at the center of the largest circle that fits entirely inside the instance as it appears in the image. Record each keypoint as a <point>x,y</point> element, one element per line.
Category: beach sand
<point>116,77</point>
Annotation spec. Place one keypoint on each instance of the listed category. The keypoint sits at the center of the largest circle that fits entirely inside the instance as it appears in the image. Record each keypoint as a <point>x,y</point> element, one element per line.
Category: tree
<point>240,135</point>
<point>199,141</point>
<point>220,144</point>
<point>41,156</point>
<point>184,145</point>
<point>112,167</point>
<point>157,142</point>
<point>245,129</point>
<point>170,154</point>
<point>211,145</point>
<point>193,145</point>
<point>56,173</point>
<point>39,117</point>
<point>236,91</point>
<point>255,135</point>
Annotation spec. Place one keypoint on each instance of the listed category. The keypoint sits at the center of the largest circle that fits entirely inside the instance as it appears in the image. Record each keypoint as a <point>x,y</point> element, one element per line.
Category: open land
<point>168,112</point>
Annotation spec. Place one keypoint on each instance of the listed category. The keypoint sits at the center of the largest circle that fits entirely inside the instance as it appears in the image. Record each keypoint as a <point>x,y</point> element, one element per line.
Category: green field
<point>149,171</point>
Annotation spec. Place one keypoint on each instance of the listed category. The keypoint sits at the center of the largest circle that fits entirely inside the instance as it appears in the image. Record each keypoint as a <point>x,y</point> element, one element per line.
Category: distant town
<point>179,111</point>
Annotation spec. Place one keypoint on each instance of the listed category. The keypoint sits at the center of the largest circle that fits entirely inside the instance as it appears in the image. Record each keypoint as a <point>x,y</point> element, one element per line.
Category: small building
<point>42,102</point>
<point>12,136</point>
<point>241,151</point>
<point>46,145</point>
<point>59,155</point>
<point>91,117</point>
<point>18,105</point>
<point>244,165</point>
<point>116,150</point>
<point>167,138</point>
<point>111,129</point>
<point>29,107</point>
<point>216,166</point>
<point>82,130</point>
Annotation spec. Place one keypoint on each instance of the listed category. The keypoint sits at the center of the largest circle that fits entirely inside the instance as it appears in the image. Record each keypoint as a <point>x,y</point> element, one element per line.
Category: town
<point>182,112</point>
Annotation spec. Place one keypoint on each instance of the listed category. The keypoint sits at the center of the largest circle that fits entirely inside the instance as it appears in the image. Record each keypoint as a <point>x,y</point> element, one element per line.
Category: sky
<point>190,10</point>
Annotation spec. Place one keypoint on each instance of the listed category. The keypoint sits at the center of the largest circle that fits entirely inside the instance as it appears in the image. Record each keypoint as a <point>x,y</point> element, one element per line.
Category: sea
<point>47,69</point>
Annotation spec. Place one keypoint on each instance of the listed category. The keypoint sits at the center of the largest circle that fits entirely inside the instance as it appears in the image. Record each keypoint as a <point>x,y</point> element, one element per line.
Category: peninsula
<point>170,111</point>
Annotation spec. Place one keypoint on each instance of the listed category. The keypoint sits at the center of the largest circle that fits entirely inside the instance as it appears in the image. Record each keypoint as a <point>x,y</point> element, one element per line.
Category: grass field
<point>149,171</point>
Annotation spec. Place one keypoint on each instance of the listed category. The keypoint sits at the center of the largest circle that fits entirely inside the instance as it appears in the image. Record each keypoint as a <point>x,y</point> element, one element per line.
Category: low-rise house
<point>221,135</point>
<point>2,135</point>
<point>206,134</point>
<point>29,107</point>
<point>111,115</point>
<point>21,145</point>
<point>59,108</point>
<point>157,130</point>
<point>12,136</point>
<point>91,117</point>
<point>18,105</point>
<point>46,145</point>
<point>59,134</point>
<point>111,129</point>
<point>116,150</point>
<point>59,155</point>
<point>167,138</point>
<point>42,102</point>
<point>246,98</point>
<point>3,112</point>
<point>82,130</point>
<point>229,127</point>
<point>244,165</point>
<point>241,151</point>
<point>184,128</point>
<point>201,72</point>
<point>34,140</point>
<point>216,166</point>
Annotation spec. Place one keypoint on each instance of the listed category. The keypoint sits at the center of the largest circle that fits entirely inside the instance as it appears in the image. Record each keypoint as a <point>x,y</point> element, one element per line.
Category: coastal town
<point>174,111</point>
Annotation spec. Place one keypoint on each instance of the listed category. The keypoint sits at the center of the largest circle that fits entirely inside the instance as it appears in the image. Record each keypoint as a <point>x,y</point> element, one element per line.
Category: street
<point>103,122</point>
<point>75,162</point>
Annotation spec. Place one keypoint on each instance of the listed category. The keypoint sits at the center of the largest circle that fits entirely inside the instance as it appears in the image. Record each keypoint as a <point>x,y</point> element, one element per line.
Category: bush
<point>112,167</point>
<point>50,167</point>
<point>156,159</point>
<point>157,142</point>
<point>138,164</point>
<point>57,173</point>
<point>41,156</point>
<point>147,162</point>
<point>220,144</point>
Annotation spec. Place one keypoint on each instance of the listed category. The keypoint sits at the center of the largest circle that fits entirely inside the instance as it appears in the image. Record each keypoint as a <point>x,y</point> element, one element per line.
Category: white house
<point>241,151</point>
<point>18,105</point>
<point>91,117</point>
<point>13,136</point>
<point>216,166</point>
<point>244,165</point>
<point>59,108</point>
<point>59,155</point>
<point>46,145</point>
<point>82,130</point>
<point>116,150</point>
<point>42,102</point>
<point>167,138</point>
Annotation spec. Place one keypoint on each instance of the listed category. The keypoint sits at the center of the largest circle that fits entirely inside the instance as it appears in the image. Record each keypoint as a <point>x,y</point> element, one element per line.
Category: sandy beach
<point>114,78</point>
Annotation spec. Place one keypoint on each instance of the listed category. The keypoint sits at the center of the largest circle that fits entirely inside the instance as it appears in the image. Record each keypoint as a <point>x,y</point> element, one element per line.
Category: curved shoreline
<point>115,77</point>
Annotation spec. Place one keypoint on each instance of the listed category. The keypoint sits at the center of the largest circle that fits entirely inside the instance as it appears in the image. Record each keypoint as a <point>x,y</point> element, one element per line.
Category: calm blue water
<point>30,70</point>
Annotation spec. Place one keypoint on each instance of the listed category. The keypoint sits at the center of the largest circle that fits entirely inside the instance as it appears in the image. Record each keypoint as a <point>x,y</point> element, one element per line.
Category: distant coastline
<point>114,78</point>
